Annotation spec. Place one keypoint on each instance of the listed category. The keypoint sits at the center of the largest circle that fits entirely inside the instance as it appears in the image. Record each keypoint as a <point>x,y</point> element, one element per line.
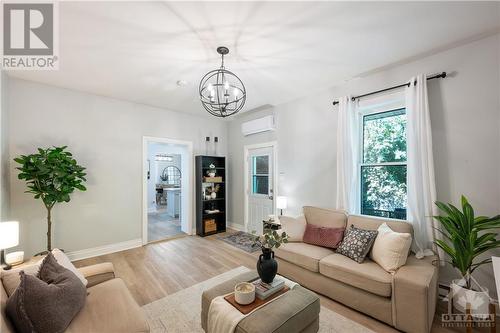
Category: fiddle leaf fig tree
<point>51,175</point>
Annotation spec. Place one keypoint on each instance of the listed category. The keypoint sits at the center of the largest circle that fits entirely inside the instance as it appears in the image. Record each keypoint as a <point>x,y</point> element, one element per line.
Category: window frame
<point>367,111</point>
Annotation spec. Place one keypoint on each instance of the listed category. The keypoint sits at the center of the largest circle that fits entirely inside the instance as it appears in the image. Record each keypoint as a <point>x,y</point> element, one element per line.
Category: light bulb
<point>226,85</point>
<point>236,92</point>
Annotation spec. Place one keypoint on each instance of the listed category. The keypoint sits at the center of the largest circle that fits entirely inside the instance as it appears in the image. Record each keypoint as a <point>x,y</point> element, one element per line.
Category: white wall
<point>4,148</point>
<point>465,109</point>
<point>105,135</point>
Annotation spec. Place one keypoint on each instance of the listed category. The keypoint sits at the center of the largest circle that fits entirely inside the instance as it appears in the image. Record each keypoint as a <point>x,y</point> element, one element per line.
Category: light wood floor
<point>157,270</point>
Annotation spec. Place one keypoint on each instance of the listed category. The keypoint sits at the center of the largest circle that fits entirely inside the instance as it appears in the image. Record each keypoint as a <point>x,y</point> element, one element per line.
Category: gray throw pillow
<point>46,303</point>
<point>357,243</point>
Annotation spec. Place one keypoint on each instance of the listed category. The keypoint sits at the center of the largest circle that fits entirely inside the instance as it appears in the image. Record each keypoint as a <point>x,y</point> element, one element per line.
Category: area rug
<point>180,312</point>
<point>241,240</point>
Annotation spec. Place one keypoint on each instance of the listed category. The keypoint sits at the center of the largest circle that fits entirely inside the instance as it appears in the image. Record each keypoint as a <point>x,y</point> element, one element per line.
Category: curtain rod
<point>436,76</point>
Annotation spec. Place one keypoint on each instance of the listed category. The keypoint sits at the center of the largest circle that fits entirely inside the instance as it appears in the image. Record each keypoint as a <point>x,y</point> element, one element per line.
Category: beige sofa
<point>109,306</point>
<point>405,299</point>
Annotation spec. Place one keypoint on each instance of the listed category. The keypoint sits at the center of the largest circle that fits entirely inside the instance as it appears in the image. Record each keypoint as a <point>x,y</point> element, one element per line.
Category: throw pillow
<point>321,236</point>
<point>357,243</point>
<point>390,249</point>
<point>11,280</point>
<point>48,302</point>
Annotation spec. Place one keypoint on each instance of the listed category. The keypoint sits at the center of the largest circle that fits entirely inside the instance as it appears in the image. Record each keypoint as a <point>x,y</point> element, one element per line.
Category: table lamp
<point>9,237</point>
<point>281,203</point>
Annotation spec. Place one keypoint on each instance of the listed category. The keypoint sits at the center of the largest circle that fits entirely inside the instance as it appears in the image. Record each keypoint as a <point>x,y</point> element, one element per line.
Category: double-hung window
<point>383,164</point>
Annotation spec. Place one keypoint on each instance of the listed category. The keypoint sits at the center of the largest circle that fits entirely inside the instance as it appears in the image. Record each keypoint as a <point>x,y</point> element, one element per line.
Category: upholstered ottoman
<point>295,311</point>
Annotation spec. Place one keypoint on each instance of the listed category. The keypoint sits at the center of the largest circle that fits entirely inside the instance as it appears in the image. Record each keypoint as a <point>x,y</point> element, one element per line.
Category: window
<point>383,166</point>
<point>260,174</point>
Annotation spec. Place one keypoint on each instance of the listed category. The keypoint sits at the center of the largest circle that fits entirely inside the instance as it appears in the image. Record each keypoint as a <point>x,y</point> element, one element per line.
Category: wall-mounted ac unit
<point>259,125</point>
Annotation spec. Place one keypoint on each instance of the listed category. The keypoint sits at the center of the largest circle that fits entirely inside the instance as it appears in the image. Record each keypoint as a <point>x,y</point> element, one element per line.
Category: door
<point>260,190</point>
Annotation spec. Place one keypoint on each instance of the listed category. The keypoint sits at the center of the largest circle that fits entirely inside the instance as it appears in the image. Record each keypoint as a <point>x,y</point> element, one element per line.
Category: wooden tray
<point>246,309</point>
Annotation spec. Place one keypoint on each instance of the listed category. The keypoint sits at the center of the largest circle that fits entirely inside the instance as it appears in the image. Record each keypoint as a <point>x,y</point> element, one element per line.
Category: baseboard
<point>105,249</point>
<point>237,227</point>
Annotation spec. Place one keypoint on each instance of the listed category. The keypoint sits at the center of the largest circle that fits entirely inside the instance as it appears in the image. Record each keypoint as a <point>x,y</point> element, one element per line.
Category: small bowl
<point>244,293</point>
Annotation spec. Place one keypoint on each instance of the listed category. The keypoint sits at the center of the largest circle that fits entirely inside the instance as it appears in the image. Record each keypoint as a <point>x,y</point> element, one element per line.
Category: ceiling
<point>137,51</point>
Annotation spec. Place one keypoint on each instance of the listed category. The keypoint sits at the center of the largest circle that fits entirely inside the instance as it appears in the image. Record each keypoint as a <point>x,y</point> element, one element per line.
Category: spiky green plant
<point>466,237</point>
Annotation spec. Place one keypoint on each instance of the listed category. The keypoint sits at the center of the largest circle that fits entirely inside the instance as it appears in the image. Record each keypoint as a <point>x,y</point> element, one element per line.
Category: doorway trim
<point>246,191</point>
<point>188,192</point>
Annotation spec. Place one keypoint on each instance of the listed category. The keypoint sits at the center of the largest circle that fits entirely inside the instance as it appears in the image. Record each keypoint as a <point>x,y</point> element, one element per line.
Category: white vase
<point>213,195</point>
<point>479,300</point>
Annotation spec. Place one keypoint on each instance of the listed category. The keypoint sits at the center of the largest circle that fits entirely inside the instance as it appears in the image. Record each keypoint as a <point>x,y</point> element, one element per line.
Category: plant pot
<point>213,195</point>
<point>267,266</point>
<point>479,300</point>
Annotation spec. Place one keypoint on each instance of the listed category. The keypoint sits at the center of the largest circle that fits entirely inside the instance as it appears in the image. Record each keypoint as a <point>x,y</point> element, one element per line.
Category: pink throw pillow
<point>321,236</point>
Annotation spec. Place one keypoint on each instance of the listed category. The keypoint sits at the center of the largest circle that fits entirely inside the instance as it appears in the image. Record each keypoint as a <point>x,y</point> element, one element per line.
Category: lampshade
<point>281,202</point>
<point>9,234</point>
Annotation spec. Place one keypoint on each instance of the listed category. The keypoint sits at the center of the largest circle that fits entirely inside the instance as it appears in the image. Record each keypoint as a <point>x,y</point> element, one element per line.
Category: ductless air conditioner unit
<point>259,125</point>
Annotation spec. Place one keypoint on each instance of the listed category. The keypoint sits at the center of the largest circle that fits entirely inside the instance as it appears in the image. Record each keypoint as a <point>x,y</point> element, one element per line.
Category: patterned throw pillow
<point>321,236</point>
<point>357,243</point>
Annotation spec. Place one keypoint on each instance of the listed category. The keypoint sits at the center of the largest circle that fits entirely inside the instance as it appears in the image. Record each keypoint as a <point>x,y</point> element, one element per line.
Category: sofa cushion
<point>325,217</point>
<point>5,324</point>
<point>109,308</point>
<point>390,248</point>
<point>357,243</point>
<point>372,223</point>
<point>368,276</point>
<point>294,227</point>
<point>48,302</point>
<point>304,255</point>
<point>321,236</point>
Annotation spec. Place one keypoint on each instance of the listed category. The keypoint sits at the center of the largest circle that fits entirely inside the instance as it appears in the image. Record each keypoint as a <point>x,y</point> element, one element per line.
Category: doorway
<point>260,184</point>
<point>167,203</point>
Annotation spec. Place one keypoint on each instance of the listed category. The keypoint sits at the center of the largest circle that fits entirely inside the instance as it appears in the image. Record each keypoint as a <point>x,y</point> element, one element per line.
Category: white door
<point>260,187</point>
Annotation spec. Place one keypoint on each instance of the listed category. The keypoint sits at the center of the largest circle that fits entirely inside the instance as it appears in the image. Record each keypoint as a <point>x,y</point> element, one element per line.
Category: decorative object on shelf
<point>212,179</point>
<point>244,293</point>
<point>466,237</point>
<point>222,93</point>
<point>267,266</point>
<point>210,225</point>
<point>212,191</point>
<point>211,170</point>
<point>44,172</point>
<point>14,258</point>
<point>9,237</point>
<point>216,141</point>
<point>281,203</point>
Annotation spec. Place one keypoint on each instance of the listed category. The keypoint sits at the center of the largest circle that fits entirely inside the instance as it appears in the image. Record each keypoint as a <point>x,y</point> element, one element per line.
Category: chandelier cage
<point>222,93</point>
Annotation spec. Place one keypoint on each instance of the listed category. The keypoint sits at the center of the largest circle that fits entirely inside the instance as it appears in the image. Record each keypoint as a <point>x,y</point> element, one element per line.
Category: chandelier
<point>222,93</point>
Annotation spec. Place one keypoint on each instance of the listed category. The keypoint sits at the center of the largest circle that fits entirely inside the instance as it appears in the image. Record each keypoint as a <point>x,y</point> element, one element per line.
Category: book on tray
<point>264,290</point>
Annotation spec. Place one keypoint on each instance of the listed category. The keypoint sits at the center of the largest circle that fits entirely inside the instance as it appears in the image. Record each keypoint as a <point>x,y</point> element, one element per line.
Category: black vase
<point>267,267</point>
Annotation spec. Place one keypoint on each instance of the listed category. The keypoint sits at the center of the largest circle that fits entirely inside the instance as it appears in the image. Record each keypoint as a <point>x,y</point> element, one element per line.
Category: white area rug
<point>180,312</point>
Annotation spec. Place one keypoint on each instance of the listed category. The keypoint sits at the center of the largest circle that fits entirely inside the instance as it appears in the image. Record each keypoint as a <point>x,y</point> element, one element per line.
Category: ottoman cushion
<point>295,311</point>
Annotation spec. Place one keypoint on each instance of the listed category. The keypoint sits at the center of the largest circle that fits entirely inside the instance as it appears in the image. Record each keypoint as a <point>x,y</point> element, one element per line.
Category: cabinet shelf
<point>207,219</point>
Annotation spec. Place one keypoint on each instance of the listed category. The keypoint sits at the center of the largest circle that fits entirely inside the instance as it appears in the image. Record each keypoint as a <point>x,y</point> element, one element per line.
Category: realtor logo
<point>29,36</point>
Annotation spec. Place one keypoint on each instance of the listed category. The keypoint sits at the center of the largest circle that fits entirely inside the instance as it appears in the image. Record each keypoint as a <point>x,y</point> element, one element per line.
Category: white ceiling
<point>137,51</point>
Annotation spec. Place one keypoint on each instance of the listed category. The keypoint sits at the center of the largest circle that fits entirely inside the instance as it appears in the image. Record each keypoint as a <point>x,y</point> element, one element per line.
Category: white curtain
<point>420,173</point>
<point>347,156</point>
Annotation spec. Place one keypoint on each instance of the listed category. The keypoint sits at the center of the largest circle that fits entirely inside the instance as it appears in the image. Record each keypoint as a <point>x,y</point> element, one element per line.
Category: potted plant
<point>51,175</point>
<point>212,191</point>
<point>164,178</point>
<point>267,266</point>
<point>465,238</point>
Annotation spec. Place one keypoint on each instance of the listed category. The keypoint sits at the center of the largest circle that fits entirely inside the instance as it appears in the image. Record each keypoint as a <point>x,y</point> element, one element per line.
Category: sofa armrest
<point>98,273</point>
<point>294,227</point>
<point>415,292</point>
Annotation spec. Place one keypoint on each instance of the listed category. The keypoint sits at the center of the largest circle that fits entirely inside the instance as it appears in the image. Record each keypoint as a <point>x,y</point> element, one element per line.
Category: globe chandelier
<point>222,93</point>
